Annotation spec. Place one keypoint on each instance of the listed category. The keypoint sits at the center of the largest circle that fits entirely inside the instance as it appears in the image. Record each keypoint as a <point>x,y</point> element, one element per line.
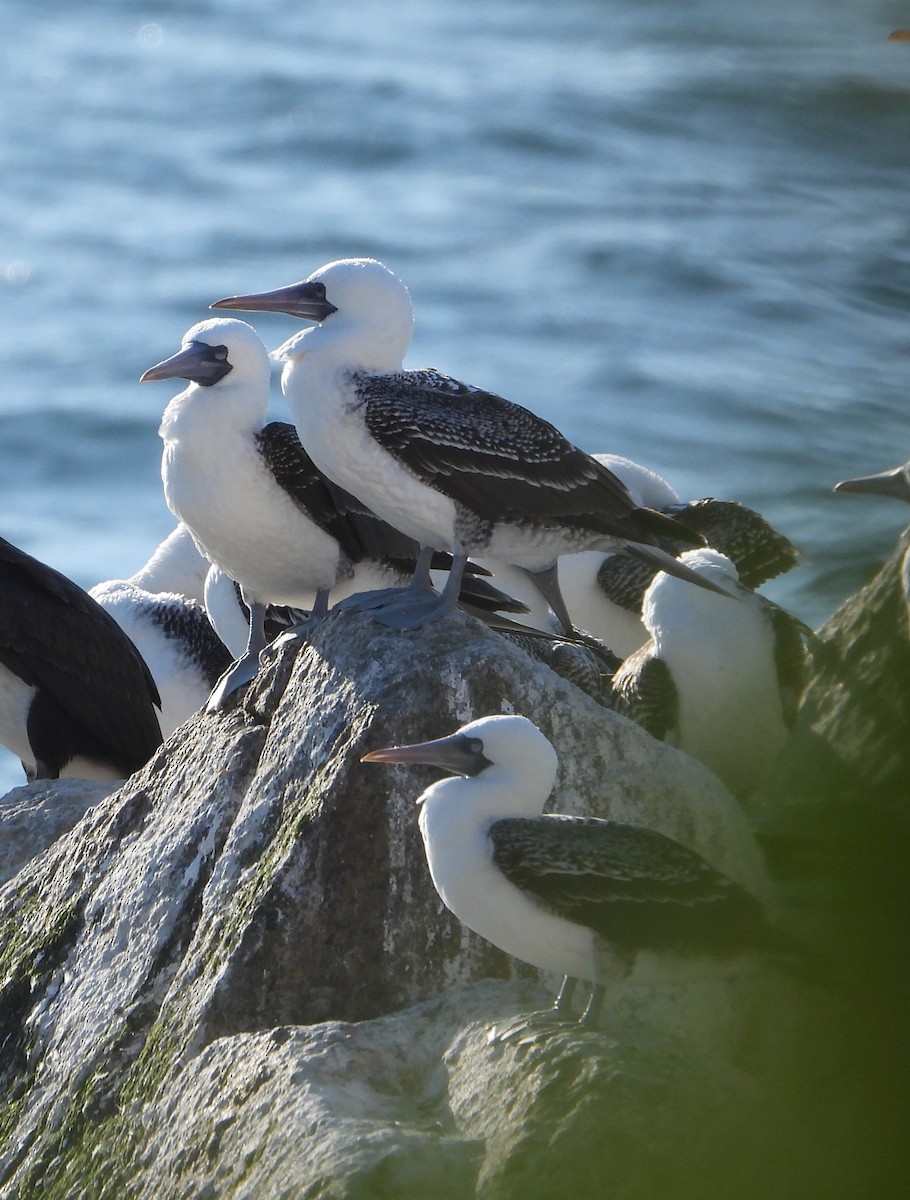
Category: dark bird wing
<point>756,549</point>
<point>634,886</point>
<point>644,691</point>
<point>790,659</point>
<point>497,458</point>
<point>361,534</point>
<point>296,473</point>
<point>56,637</point>
<point>624,581</point>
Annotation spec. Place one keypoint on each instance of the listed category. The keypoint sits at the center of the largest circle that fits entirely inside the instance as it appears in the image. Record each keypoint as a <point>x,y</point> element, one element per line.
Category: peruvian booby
<point>604,592</point>
<point>76,697</point>
<point>162,611</point>
<point>720,681</point>
<point>581,896</point>
<point>455,467</point>
<point>252,498</point>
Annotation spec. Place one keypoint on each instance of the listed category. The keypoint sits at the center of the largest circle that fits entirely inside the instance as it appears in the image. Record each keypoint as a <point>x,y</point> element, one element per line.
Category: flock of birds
<point>404,493</point>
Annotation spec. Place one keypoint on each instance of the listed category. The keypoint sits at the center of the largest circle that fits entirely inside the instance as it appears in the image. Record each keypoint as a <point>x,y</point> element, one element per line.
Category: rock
<point>32,817</point>
<point>207,986</point>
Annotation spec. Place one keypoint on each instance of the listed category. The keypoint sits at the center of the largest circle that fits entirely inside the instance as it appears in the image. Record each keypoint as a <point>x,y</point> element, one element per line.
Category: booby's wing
<point>790,659</point>
<point>296,473</point>
<point>624,581</point>
<point>634,886</point>
<point>644,691</point>
<point>55,636</point>
<point>755,548</point>
<point>493,456</point>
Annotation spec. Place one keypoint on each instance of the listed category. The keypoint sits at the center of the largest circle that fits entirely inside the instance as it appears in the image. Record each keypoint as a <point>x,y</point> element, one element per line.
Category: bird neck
<point>175,566</point>
<point>360,346</point>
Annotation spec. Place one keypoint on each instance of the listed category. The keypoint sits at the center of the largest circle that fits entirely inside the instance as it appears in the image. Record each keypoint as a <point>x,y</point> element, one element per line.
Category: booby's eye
<point>219,353</point>
<point>475,745</point>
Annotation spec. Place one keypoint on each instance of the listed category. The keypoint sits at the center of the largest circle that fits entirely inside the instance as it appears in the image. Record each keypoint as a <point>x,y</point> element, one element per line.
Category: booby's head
<point>509,753</point>
<point>894,482</point>
<point>358,304</point>
<point>648,489</point>
<point>213,350</point>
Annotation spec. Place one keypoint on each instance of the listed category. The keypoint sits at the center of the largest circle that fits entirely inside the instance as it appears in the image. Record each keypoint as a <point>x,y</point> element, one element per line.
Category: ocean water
<point>679,232</point>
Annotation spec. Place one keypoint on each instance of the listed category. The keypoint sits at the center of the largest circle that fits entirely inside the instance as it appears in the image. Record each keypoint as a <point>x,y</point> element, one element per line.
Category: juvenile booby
<point>253,500</point>
<point>76,698</point>
<point>160,609</point>
<point>604,592</point>
<point>453,466</point>
<point>580,896</point>
<point>720,681</point>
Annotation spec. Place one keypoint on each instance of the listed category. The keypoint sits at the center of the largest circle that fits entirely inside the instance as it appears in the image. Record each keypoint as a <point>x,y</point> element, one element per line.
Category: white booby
<point>76,698</point>
<point>161,609</point>
<point>580,896</point>
<point>603,592</point>
<point>455,467</point>
<point>253,500</point>
<point>720,681</point>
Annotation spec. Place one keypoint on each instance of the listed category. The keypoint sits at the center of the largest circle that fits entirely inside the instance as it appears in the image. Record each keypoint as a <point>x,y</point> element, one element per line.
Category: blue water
<point>679,231</point>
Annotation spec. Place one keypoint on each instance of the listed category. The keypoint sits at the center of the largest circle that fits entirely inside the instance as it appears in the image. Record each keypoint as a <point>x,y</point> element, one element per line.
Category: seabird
<point>76,698</point>
<point>604,592</point>
<point>720,681</point>
<point>581,896</point>
<point>455,467</point>
<point>160,609</point>
<point>252,498</point>
<point>895,482</point>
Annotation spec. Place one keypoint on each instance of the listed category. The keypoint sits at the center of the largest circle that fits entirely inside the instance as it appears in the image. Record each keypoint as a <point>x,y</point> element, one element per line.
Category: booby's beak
<point>886,483</point>
<point>306,300</point>
<point>458,754</point>
<point>197,361</point>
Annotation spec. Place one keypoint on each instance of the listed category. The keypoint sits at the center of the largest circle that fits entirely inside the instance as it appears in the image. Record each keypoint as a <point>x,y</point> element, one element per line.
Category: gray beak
<point>886,483</point>
<point>198,362</point>
<point>457,754</point>
<point>306,300</point>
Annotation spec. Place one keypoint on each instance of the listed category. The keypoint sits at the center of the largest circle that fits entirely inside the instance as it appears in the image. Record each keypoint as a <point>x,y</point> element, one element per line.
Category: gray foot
<point>237,676</point>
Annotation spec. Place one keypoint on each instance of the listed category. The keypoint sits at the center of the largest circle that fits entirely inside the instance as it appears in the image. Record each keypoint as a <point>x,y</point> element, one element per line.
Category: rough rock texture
<point>33,817</point>
<point>207,985</point>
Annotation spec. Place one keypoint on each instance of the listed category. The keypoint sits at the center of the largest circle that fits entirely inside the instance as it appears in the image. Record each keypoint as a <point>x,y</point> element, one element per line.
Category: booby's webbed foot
<point>237,676</point>
<point>372,600</point>
<point>412,611</point>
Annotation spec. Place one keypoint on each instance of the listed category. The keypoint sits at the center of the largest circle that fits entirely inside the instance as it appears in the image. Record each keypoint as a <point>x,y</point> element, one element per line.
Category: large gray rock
<point>180,972</point>
<point>33,816</point>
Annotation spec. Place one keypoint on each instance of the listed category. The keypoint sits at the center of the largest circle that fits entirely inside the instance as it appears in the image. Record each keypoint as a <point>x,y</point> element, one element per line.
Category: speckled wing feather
<point>790,659</point>
<point>187,621</point>
<point>756,549</point>
<point>634,886</point>
<point>47,624</point>
<point>624,581</point>
<point>493,456</point>
<point>644,691</point>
